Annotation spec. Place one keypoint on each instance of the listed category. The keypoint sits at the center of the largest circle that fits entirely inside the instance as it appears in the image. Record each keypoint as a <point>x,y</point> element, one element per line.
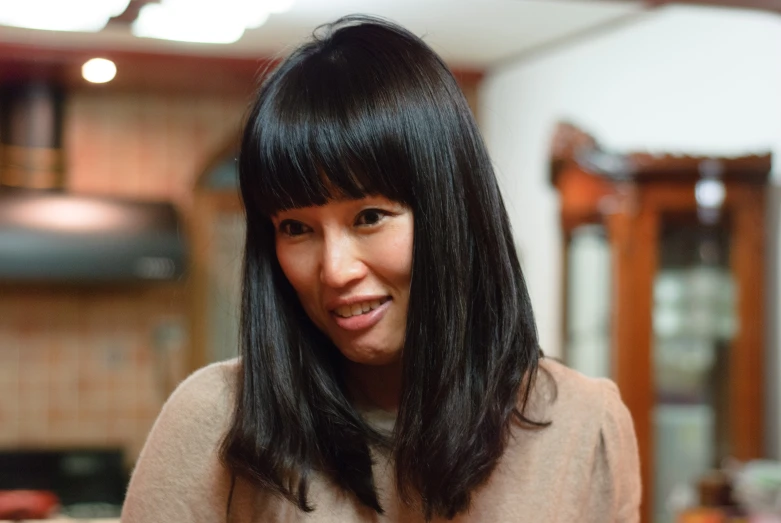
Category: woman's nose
<point>341,264</point>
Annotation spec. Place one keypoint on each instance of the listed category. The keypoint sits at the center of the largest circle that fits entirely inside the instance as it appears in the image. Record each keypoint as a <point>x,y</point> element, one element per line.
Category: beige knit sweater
<point>582,468</point>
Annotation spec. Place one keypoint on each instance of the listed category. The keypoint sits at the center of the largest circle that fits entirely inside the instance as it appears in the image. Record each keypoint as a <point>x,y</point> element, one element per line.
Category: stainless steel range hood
<point>50,235</point>
<point>59,237</point>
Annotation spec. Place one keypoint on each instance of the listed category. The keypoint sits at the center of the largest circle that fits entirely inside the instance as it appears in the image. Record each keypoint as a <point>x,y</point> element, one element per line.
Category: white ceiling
<point>467,33</point>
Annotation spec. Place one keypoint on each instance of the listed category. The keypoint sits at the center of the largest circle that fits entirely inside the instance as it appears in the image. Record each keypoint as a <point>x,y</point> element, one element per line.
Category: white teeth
<point>347,311</point>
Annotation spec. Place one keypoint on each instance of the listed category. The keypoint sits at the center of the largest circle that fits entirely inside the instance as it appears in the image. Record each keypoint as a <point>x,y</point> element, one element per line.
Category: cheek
<point>402,261</point>
<point>395,255</point>
<point>296,268</point>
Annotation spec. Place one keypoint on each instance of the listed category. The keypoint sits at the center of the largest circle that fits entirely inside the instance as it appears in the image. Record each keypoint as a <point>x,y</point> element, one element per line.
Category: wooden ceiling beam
<point>147,71</point>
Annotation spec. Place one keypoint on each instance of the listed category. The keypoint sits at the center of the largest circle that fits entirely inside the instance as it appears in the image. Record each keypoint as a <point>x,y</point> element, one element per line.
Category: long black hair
<point>367,108</point>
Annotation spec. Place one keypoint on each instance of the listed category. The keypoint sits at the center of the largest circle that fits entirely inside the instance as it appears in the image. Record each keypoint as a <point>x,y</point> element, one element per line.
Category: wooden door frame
<point>207,204</point>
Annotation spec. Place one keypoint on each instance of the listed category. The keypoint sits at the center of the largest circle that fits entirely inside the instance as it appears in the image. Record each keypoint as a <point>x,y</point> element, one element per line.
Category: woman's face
<point>350,263</point>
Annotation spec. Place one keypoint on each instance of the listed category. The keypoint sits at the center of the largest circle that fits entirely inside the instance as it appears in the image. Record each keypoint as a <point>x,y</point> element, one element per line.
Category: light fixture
<point>73,15</point>
<point>204,21</point>
<point>98,70</point>
<point>73,214</point>
<point>197,22</point>
<point>709,193</point>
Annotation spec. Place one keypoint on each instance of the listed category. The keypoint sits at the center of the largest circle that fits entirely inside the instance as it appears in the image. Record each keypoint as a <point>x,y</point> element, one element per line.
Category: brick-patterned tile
<point>9,358</point>
<point>33,426</point>
<point>9,423</point>
<point>78,365</point>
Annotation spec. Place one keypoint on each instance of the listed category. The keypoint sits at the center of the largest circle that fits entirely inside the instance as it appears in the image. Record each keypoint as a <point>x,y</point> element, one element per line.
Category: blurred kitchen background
<point>636,142</point>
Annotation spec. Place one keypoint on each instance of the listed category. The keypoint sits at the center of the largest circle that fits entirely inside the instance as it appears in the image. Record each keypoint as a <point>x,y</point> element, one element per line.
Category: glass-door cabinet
<point>664,268</point>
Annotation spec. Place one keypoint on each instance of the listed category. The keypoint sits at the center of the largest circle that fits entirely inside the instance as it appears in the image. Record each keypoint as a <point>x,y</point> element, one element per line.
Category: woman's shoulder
<point>569,391</point>
<point>585,461</point>
<point>591,425</point>
<point>568,399</point>
<point>208,386</point>
<point>179,475</point>
<point>206,396</point>
<point>204,400</point>
<point>199,410</point>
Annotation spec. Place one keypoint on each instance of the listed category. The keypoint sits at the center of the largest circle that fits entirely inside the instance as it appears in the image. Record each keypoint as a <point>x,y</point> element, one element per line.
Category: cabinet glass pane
<point>588,302</point>
<point>694,320</point>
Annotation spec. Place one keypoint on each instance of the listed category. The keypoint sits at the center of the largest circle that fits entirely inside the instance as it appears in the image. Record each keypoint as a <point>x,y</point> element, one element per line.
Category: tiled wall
<point>84,366</point>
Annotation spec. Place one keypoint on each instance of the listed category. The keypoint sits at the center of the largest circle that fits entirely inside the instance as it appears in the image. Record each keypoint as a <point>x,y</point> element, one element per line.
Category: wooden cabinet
<point>664,269</point>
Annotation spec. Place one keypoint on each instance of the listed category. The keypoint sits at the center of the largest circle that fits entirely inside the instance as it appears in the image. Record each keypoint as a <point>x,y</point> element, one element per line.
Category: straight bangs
<point>319,135</point>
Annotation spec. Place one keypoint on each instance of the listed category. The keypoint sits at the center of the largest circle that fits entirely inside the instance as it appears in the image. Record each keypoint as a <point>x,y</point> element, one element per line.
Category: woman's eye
<point>292,228</point>
<point>370,217</point>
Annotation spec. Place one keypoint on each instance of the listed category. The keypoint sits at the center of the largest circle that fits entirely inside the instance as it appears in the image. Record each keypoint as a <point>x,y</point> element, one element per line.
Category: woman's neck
<point>377,385</point>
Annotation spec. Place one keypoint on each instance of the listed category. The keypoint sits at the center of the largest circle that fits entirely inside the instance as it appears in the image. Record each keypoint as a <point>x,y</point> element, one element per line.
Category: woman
<point>389,364</point>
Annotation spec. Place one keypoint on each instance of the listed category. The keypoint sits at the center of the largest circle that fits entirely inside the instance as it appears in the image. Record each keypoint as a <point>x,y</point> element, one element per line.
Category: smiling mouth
<point>358,309</point>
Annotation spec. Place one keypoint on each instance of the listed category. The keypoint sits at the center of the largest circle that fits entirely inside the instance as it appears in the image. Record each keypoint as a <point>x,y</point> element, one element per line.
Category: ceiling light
<point>205,21</point>
<point>98,70</point>
<point>74,15</point>
<point>197,22</point>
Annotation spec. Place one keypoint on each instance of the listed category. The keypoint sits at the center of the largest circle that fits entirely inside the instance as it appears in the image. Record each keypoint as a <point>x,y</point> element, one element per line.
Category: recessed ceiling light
<point>98,70</point>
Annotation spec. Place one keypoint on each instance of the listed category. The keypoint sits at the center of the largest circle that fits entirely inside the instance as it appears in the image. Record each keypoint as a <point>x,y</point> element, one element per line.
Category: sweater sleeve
<point>617,464</point>
<point>178,476</point>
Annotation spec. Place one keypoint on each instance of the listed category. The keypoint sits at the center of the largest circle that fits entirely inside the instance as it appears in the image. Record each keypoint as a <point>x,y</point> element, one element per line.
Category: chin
<point>370,356</point>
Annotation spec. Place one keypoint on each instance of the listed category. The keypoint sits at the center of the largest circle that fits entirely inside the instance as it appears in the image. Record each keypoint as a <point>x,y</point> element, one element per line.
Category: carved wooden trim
<point>573,146</point>
<point>568,141</point>
<point>747,169</point>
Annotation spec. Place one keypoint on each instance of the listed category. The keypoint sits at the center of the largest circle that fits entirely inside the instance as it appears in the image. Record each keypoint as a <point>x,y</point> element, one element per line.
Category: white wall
<point>695,80</point>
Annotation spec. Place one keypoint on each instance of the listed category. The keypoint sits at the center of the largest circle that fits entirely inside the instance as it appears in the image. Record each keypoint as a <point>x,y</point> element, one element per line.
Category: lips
<point>356,309</point>
<point>361,314</point>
